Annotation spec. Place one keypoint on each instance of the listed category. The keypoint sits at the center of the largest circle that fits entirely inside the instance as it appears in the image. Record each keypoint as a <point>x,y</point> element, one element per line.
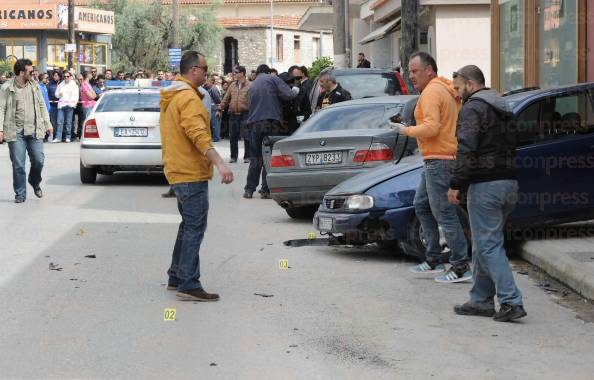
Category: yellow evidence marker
<point>169,314</point>
<point>311,236</point>
<point>283,264</point>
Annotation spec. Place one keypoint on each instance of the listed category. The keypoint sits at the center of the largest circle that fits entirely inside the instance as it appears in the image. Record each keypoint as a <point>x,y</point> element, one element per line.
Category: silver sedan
<point>335,144</point>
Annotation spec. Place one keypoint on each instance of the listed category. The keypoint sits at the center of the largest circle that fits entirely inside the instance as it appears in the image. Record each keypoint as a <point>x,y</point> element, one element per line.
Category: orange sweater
<point>185,134</point>
<point>436,114</point>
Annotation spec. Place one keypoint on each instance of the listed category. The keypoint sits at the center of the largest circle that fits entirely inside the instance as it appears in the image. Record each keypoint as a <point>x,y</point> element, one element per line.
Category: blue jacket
<point>44,93</point>
<point>265,97</point>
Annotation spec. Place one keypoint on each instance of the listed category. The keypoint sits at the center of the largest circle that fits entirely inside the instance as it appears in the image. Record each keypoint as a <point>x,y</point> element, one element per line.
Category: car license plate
<point>323,158</point>
<point>130,132</point>
<point>325,224</point>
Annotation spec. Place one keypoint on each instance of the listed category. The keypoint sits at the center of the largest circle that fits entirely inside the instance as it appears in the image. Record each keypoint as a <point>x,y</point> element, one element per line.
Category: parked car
<point>336,143</point>
<point>122,134</point>
<point>555,169</point>
<point>363,83</point>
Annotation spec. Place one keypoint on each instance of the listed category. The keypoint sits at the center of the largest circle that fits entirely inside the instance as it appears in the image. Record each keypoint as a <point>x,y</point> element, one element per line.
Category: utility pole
<point>339,33</point>
<point>71,35</point>
<point>271,34</point>
<point>347,39</point>
<point>175,25</point>
<point>410,32</point>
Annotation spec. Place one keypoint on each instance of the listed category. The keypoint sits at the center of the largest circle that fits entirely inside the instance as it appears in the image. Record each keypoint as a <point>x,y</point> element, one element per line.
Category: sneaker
<point>265,195</point>
<point>68,140</point>
<point>197,295</point>
<point>427,268</point>
<point>455,274</point>
<point>55,141</point>
<point>474,309</point>
<point>246,160</point>
<point>19,200</point>
<point>233,160</point>
<point>248,195</point>
<point>171,286</point>
<point>509,312</point>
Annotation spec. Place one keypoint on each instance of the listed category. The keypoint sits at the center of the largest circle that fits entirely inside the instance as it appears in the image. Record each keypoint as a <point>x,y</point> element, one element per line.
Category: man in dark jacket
<point>484,166</point>
<point>305,85</point>
<point>266,96</point>
<point>333,92</point>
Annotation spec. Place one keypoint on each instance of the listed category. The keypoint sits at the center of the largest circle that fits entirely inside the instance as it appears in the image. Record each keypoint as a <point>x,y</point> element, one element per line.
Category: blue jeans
<point>192,203</point>
<point>489,205</point>
<point>18,155</point>
<point>237,125</point>
<point>433,209</point>
<point>64,116</point>
<point>215,127</point>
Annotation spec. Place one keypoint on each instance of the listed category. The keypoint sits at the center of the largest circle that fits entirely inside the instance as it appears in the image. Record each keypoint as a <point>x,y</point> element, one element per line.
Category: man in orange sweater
<point>436,114</point>
<point>188,159</point>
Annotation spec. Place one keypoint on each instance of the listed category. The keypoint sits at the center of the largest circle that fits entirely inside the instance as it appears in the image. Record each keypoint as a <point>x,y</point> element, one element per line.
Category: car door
<point>570,156</point>
<point>555,159</point>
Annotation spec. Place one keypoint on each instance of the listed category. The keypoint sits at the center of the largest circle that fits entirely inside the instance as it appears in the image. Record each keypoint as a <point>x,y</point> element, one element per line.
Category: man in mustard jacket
<point>188,159</point>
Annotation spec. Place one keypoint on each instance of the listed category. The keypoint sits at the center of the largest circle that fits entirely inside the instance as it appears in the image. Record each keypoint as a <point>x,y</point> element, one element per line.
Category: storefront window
<point>56,54</point>
<point>100,56</point>
<point>512,42</point>
<point>17,48</point>
<point>558,42</point>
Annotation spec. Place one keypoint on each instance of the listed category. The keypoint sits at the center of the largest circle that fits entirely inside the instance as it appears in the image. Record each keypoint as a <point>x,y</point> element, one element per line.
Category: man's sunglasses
<point>205,68</point>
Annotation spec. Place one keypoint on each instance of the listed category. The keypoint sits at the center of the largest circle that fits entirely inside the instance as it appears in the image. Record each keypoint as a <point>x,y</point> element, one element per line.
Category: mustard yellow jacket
<point>185,133</point>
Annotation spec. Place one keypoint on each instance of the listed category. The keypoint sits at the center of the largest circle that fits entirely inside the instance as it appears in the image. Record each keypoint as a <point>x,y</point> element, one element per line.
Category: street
<point>334,313</point>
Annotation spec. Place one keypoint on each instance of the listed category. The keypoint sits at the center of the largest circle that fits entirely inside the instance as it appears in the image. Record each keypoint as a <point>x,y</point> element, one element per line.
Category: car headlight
<point>359,202</point>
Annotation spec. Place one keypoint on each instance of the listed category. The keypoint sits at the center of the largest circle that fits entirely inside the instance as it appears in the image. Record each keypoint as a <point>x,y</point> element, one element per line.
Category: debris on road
<point>264,295</point>
<point>73,279</point>
<point>91,256</point>
<point>81,232</point>
<point>293,346</point>
<point>55,267</point>
<point>213,364</point>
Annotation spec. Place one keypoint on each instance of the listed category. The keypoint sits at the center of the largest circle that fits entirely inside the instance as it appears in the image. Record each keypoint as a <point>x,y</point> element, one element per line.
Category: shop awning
<point>381,32</point>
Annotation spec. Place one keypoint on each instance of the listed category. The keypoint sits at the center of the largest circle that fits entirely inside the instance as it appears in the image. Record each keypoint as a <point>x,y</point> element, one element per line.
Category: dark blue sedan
<point>555,169</point>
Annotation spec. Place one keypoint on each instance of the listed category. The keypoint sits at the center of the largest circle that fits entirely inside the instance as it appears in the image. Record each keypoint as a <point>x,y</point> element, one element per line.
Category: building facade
<point>37,30</point>
<point>542,43</point>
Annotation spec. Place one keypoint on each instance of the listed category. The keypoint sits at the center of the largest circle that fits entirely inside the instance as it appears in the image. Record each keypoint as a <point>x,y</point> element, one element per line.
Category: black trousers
<point>259,130</point>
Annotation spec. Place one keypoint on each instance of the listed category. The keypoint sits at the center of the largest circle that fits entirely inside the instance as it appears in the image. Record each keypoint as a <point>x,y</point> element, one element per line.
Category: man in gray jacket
<point>24,121</point>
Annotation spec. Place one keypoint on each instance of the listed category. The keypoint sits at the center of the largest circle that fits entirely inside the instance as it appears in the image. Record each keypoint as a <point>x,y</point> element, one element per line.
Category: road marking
<point>169,314</point>
<point>283,264</point>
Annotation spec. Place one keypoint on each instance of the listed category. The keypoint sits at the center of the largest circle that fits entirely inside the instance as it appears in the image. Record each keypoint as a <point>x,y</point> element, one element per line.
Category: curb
<point>568,261</point>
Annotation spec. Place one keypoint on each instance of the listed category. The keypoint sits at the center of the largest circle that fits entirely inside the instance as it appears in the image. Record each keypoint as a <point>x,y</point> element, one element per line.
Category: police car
<point>122,131</point>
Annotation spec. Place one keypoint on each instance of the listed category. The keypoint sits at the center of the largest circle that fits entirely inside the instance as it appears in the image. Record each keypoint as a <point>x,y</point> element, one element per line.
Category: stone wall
<point>254,47</point>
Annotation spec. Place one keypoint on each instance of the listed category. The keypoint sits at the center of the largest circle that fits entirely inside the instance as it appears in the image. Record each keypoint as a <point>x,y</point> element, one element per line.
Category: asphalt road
<point>335,313</point>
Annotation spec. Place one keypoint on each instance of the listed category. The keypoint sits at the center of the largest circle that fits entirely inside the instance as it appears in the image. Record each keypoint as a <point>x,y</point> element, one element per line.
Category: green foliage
<point>6,66</point>
<point>318,65</point>
<point>143,33</point>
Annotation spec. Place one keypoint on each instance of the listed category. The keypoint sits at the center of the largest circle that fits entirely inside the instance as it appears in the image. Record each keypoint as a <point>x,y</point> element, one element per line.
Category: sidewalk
<point>569,260</point>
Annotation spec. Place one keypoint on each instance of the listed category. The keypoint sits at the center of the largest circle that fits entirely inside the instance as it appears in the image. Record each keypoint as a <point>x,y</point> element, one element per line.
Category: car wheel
<point>87,175</point>
<point>306,212</point>
<point>415,245</point>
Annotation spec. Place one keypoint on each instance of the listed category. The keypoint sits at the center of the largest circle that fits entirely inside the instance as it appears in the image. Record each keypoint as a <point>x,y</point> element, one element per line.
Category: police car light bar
<point>137,83</point>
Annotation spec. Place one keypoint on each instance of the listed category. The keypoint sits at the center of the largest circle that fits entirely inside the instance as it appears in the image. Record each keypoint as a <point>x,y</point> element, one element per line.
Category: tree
<point>318,65</point>
<point>410,31</point>
<point>143,33</point>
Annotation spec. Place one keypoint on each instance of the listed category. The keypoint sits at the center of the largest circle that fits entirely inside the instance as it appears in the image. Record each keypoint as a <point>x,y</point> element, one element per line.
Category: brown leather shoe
<point>197,295</point>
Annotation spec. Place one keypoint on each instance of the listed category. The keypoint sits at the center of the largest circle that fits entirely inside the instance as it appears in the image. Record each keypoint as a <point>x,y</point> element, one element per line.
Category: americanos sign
<point>15,16</point>
<point>54,16</point>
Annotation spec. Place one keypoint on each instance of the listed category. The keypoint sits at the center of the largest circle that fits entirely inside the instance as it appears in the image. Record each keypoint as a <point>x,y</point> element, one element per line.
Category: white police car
<point>122,134</point>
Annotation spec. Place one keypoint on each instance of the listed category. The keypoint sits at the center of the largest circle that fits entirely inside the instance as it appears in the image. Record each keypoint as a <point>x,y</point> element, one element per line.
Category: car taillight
<point>403,89</point>
<point>91,131</point>
<point>376,152</point>
<point>279,160</point>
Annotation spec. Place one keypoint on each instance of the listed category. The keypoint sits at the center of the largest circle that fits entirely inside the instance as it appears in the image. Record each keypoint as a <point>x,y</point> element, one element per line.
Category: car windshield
<point>369,85</point>
<point>365,116</point>
<point>129,102</point>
